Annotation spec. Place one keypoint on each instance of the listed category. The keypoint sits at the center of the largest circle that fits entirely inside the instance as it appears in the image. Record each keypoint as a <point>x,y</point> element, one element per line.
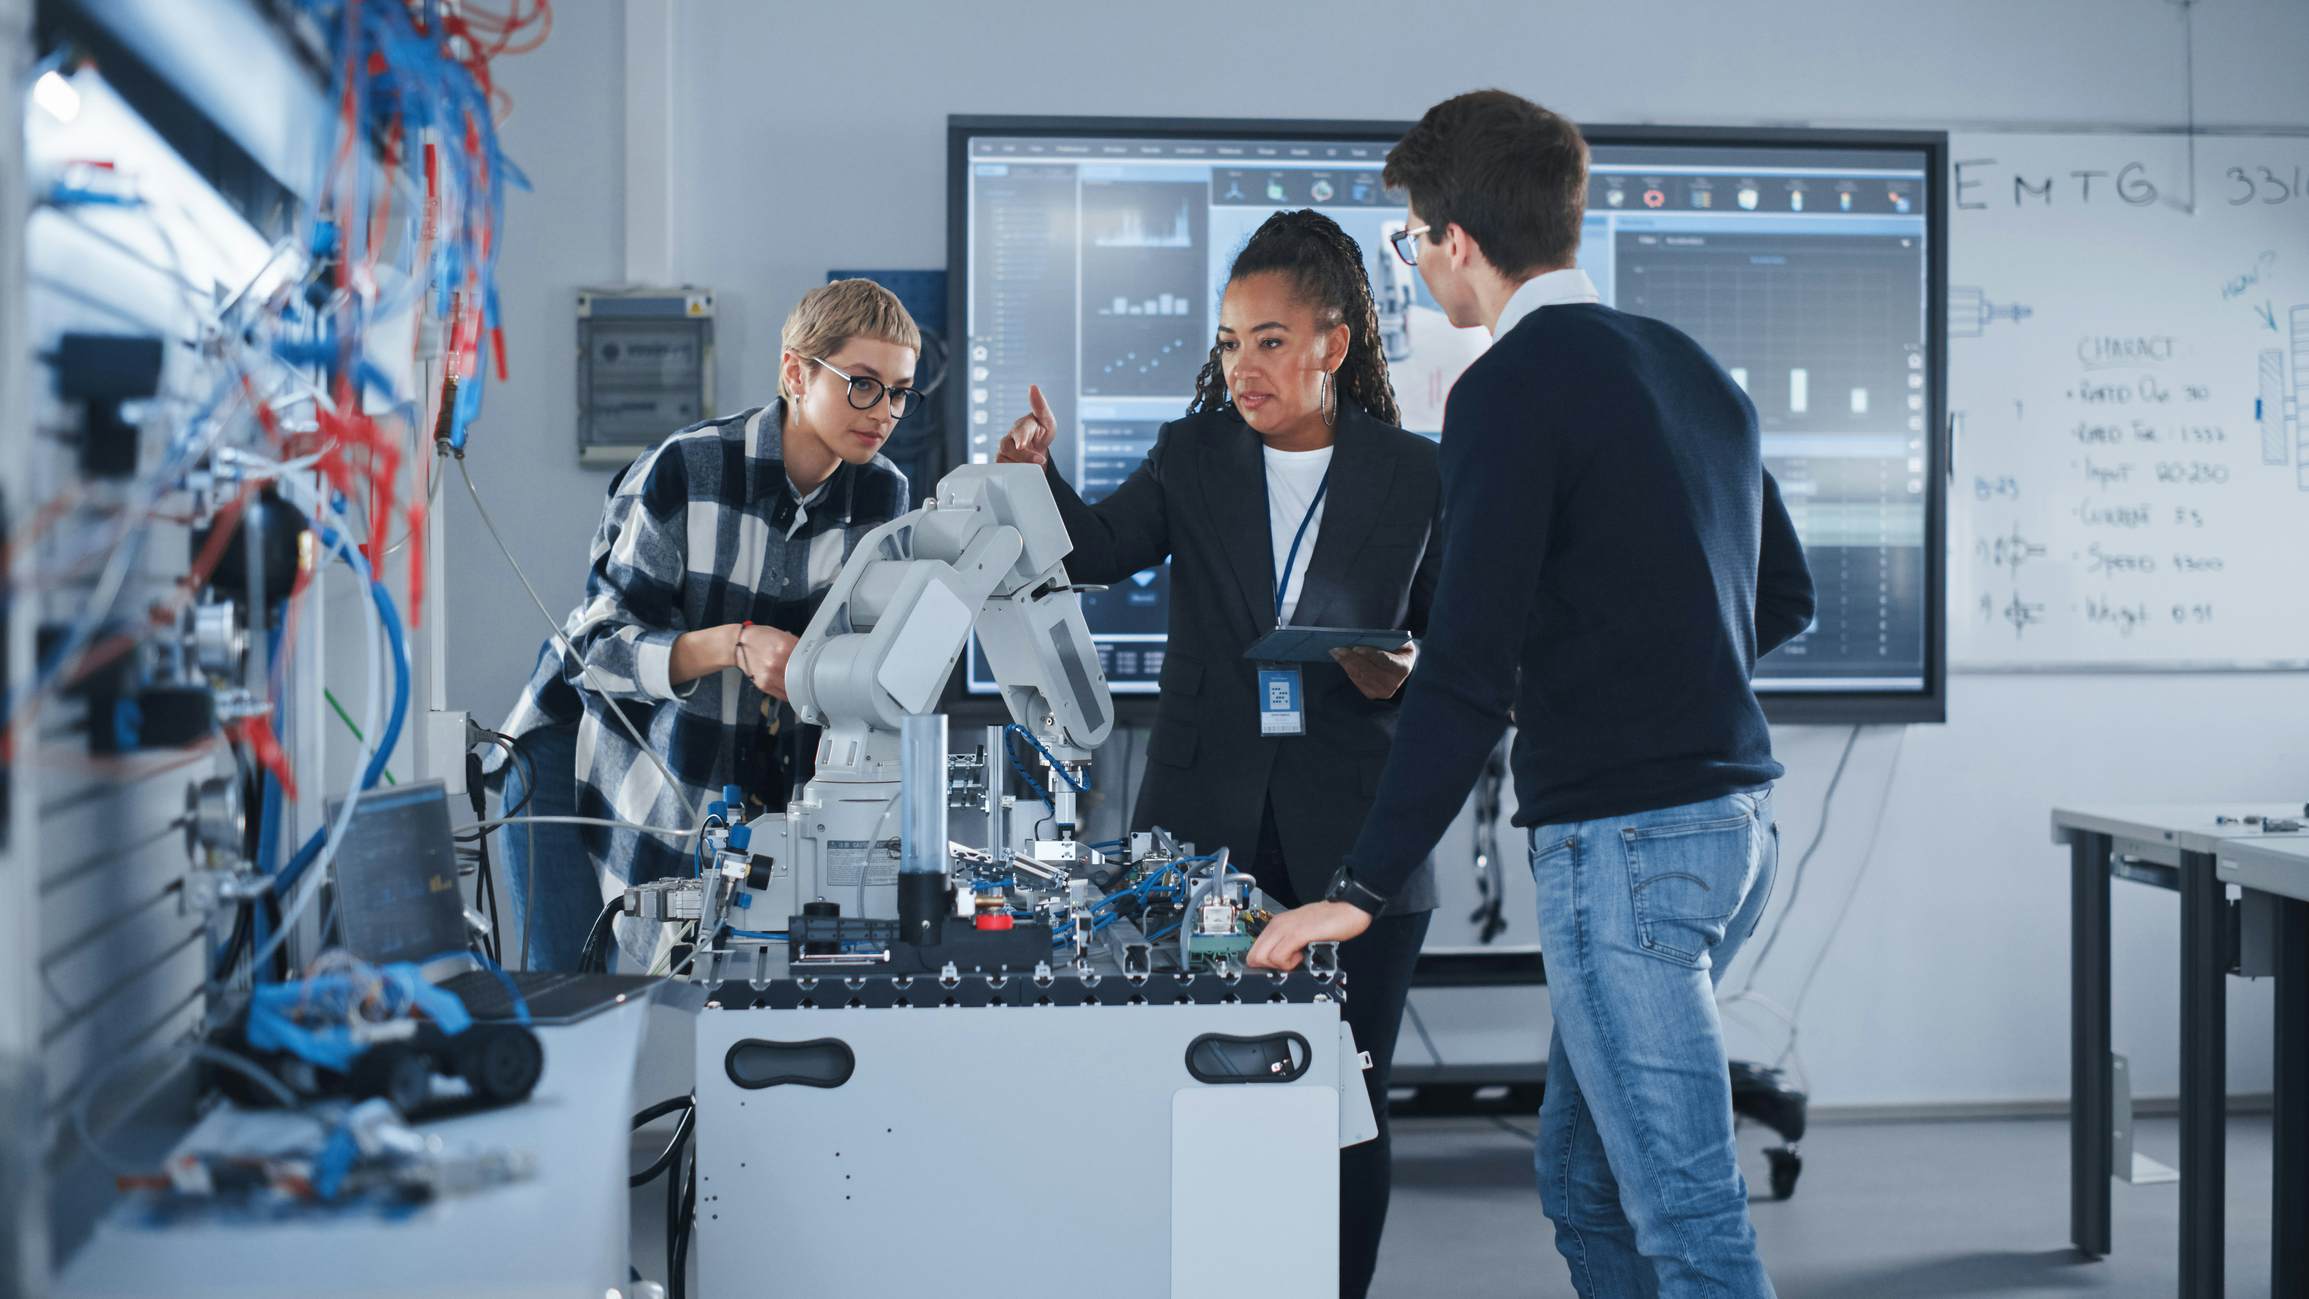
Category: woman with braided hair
<point>1286,496</point>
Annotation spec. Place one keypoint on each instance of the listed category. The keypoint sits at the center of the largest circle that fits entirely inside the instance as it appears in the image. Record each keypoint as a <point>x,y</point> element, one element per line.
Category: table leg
<point>2204,1073</point>
<point>2289,1246</point>
<point>2092,1087</point>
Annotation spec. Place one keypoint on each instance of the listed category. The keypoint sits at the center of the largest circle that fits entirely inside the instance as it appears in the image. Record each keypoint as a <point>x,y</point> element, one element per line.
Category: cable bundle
<point>294,392</point>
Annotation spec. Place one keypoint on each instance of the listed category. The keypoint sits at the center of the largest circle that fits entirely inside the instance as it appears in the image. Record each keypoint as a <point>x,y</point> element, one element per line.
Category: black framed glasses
<point>1407,244</point>
<point>865,392</point>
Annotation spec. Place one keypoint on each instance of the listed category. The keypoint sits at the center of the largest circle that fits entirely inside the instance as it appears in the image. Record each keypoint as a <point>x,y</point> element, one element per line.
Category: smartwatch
<point>1346,888</point>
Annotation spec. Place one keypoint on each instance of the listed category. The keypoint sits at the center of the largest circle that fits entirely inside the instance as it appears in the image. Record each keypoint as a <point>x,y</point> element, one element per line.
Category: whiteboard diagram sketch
<point>2297,404</point>
<point>1970,312</point>
<point>2281,406</point>
<point>2271,408</point>
<point>2129,389</point>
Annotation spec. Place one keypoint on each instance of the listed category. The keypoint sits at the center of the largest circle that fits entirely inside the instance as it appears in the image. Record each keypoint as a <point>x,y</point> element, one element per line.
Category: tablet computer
<point>1314,644</point>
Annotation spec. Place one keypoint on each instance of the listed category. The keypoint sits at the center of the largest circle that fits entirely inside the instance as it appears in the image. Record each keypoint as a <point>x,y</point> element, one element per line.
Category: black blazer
<point>1200,499</point>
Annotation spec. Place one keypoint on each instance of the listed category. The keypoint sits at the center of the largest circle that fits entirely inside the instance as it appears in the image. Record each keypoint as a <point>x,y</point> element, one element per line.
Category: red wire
<point>511,24</point>
<point>220,532</point>
<point>417,564</point>
<point>33,530</point>
<point>348,119</point>
<point>383,212</point>
<point>256,734</point>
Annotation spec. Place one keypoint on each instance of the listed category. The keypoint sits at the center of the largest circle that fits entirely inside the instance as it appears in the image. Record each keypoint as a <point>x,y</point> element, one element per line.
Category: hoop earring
<point>1330,402</point>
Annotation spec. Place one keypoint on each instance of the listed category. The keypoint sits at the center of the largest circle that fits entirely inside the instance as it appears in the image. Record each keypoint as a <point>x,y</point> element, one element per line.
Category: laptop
<point>399,899</point>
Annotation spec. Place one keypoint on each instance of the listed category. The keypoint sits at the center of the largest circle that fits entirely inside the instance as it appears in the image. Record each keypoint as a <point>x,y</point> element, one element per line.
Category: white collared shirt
<point>1555,288</point>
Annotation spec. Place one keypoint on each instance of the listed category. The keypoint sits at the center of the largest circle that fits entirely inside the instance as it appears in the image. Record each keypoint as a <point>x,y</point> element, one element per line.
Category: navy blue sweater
<point>1615,558</point>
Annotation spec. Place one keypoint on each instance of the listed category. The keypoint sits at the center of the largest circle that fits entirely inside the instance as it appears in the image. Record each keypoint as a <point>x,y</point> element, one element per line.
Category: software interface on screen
<point>1094,268</point>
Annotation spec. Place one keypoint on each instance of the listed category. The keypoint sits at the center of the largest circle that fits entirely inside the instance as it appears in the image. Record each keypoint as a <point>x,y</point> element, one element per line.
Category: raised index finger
<point>1041,407</point>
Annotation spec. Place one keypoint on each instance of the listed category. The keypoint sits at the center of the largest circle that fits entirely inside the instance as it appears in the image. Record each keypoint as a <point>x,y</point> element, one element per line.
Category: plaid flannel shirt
<point>702,531</point>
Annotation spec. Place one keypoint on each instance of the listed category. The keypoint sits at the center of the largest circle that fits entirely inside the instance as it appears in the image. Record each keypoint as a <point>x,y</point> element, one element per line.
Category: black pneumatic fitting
<point>105,371</point>
<point>279,525</point>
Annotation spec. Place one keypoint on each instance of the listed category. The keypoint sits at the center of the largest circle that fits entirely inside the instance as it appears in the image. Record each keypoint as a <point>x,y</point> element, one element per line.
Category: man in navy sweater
<point>1615,559</point>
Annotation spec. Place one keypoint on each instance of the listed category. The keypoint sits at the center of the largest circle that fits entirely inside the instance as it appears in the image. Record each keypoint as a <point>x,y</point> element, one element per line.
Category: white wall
<point>809,136</point>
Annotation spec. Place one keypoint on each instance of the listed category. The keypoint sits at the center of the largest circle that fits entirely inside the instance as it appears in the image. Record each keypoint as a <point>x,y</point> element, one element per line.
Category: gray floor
<point>1884,1209</point>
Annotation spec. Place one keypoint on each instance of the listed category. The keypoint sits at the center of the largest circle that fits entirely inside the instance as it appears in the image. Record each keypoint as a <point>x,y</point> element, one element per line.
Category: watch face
<point>1345,888</point>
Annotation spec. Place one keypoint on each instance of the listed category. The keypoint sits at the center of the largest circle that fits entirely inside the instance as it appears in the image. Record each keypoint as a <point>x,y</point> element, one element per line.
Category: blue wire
<point>1023,773</point>
<point>394,634</point>
<point>1098,926</point>
<point>391,618</point>
<point>71,196</point>
<point>1139,892</point>
<point>760,934</point>
<point>268,847</point>
<point>287,879</point>
<point>268,815</point>
<point>1081,784</point>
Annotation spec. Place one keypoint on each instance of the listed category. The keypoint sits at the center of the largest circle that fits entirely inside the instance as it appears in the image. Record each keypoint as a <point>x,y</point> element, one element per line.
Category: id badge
<point>1282,702</point>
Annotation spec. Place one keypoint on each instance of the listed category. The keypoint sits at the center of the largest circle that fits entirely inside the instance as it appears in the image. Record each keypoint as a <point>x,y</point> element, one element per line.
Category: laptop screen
<point>397,895</point>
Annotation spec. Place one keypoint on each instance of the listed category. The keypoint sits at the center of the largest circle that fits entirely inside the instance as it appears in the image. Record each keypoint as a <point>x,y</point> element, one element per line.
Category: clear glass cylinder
<point>922,777</point>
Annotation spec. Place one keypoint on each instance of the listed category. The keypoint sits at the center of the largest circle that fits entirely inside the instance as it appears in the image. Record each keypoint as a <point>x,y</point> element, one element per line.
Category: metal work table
<point>2276,866</point>
<point>2198,850</point>
<point>561,1232</point>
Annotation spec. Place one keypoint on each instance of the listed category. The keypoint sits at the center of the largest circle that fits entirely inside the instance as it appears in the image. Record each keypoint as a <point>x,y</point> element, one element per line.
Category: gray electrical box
<point>645,368</point>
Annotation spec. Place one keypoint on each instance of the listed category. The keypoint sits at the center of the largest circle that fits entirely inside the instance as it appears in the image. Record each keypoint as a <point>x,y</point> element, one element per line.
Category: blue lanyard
<point>1283,583</point>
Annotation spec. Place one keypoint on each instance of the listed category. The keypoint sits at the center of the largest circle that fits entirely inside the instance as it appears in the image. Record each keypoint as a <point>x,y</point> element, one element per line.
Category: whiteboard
<point>2129,402</point>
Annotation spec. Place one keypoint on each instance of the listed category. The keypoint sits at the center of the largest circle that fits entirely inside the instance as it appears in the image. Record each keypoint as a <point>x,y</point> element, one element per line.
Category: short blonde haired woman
<point>691,648</point>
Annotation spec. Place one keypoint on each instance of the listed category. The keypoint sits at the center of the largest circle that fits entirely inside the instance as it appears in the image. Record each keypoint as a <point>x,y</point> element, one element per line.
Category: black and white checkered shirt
<point>703,531</point>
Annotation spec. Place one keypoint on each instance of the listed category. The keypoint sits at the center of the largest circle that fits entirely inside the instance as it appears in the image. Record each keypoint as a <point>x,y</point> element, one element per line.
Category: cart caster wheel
<point>1787,1166</point>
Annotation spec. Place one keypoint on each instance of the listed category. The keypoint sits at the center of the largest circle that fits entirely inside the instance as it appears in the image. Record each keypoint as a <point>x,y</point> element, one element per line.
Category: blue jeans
<point>1639,917</point>
<point>556,892</point>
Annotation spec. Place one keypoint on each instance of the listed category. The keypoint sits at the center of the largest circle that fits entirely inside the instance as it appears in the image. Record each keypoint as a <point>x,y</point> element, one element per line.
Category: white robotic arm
<point>987,553</point>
